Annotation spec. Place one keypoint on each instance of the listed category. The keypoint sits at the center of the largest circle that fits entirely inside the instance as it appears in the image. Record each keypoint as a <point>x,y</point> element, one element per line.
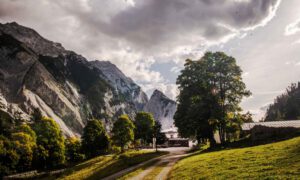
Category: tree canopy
<point>50,143</point>
<point>285,106</point>
<point>144,124</point>
<point>95,140</point>
<point>210,89</point>
<point>123,132</point>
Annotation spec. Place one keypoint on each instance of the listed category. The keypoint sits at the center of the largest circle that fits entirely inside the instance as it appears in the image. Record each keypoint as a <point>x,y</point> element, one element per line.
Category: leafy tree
<point>158,135</point>
<point>144,124</point>
<point>24,141</point>
<point>123,132</point>
<point>73,150</point>
<point>285,106</point>
<point>210,88</point>
<point>9,158</point>
<point>95,141</point>
<point>50,144</point>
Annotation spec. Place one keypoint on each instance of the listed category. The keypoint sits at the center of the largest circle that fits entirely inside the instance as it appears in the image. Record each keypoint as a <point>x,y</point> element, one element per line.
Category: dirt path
<point>166,162</point>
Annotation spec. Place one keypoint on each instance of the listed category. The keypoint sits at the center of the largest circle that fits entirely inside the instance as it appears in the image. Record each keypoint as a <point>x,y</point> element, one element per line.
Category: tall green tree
<point>50,144</point>
<point>24,141</point>
<point>210,88</point>
<point>123,132</point>
<point>95,140</point>
<point>286,106</point>
<point>144,124</point>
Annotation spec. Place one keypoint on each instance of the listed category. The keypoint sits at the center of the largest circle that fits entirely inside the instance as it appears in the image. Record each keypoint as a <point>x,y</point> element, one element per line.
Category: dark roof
<point>291,123</point>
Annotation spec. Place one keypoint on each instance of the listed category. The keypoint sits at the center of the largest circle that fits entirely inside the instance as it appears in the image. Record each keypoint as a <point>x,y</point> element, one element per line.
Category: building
<point>174,140</point>
<point>271,129</point>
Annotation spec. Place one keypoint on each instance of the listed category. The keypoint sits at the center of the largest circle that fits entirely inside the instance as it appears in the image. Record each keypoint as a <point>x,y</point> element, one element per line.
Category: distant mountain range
<point>38,73</point>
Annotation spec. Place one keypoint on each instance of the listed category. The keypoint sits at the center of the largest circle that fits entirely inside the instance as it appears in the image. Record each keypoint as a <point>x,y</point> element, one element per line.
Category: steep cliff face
<point>38,73</point>
<point>162,108</point>
<point>124,87</point>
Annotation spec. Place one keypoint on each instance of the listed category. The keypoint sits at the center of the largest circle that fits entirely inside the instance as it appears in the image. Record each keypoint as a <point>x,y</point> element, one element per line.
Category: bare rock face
<point>124,87</point>
<point>38,73</point>
<point>162,108</point>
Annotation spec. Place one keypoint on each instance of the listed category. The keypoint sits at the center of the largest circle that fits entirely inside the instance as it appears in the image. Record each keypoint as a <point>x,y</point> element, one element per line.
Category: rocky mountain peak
<point>162,108</point>
<point>32,39</point>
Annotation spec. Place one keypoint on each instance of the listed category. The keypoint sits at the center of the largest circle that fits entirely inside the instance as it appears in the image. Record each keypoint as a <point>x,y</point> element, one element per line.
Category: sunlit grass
<point>279,160</point>
<point>103,166</point>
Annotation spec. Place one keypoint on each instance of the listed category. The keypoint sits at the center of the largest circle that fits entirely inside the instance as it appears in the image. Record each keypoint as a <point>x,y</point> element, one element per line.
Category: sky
<point>149,40</point>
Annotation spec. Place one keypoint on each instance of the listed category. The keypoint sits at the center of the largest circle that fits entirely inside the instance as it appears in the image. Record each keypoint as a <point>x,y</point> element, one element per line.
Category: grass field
<point>279,160</point>
<point>103,166</point>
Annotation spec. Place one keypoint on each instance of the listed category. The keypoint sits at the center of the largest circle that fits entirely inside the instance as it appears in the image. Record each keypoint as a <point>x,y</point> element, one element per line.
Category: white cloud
<point>292,28</point>
<point>136,34</point>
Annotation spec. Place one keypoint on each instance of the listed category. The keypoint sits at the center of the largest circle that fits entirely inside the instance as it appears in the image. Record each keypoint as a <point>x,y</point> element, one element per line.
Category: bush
<point>8,156</point>
<point>73,150</point>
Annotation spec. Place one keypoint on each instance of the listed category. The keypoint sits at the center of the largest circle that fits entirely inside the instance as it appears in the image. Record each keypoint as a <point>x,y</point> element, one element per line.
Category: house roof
<point>290,123</point>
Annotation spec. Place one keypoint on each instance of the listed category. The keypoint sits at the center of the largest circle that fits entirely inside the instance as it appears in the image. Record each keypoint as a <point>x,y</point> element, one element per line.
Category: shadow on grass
<point>122,163</point>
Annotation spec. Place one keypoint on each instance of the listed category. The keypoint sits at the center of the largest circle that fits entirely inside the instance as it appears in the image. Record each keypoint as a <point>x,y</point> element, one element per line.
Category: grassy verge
<point>279,160</point>
<point>103,166</point>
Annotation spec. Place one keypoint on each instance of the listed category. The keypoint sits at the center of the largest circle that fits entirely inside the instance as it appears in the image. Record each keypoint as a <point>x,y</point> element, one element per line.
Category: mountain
<point>38,73</point>
<point>124,86</point>
<point>162,108</point>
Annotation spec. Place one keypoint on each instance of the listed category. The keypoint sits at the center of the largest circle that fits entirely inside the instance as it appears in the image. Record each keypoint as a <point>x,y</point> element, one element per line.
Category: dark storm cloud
<point>171,21</point>
<point>148,24</point>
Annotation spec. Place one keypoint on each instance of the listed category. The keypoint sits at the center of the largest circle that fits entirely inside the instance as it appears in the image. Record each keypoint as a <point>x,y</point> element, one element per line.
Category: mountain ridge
<point>38,73</point>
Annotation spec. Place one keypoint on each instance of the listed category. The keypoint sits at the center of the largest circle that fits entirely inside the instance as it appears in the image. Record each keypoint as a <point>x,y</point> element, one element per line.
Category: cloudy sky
<point>149,40</point>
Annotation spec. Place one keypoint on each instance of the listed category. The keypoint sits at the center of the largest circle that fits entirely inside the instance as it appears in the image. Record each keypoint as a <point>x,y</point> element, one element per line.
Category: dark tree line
<point>285,106</point>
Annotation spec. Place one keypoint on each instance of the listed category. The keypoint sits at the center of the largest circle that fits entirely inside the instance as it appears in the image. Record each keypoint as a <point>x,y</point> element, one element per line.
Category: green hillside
<point>279,160</point>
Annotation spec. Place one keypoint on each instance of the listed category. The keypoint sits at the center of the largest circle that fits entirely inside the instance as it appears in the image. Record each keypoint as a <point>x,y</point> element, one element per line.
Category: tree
<point>210,88</point>
<point>95,141</point>
<point>50,144</point>
<point>123,132</point>
<point>24,142</point>
<point>158,135</point>
<point>144,124</point>
<point>73,150</point>
<point>286,106</point>
<point>9,158</point>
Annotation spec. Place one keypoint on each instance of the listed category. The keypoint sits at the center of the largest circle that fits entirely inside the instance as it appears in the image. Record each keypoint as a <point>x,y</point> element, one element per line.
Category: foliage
<point>95,141</point>
<point>6,123</point>
<point>279,160</point>
<point>144,124</point>
<point>123,132</point>
<point>285,106</point>
<point>50,144</point>
<point>36,115</point>
<point>24,141</point>
<point>9,158</point>
<point>160,137</point>
<point>73,150</point>
<point>210,89</point>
